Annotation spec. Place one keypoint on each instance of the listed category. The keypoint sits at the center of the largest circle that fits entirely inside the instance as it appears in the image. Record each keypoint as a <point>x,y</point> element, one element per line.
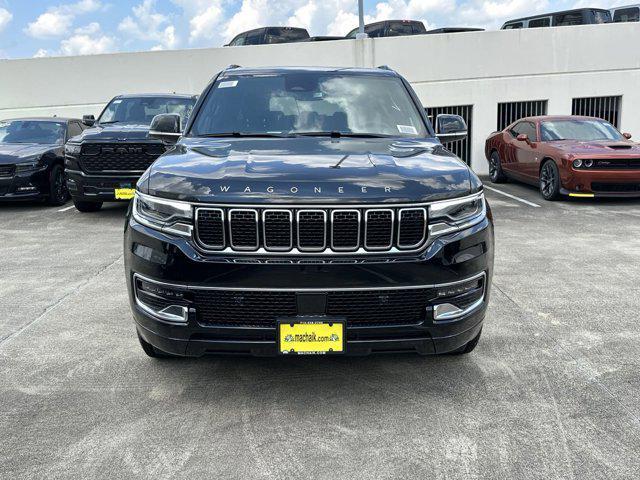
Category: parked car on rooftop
<point>269,35</point>
<point>391,28</point>
<point>628,13</point>
<point>581,16</point>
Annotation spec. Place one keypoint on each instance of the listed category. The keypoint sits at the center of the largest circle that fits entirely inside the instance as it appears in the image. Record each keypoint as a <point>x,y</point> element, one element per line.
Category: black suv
<point>105,161</point>
<point>308,211</point>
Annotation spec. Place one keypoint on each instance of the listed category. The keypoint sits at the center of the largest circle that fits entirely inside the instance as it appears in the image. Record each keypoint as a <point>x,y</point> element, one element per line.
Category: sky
<point>40,28</point>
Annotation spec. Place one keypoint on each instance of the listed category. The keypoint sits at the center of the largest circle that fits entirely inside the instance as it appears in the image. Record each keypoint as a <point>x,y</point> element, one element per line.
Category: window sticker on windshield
<point>408,129</point>
<point>228,84</point>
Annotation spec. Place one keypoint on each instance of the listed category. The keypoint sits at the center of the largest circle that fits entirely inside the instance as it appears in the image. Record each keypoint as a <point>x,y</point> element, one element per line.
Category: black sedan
<point>32,158</point>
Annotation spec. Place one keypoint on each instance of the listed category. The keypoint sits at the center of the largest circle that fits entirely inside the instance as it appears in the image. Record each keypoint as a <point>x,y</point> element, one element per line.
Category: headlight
<point>167,216</point>
<point>27,166</point>
<point>71,149</point>
<point>453,215</point>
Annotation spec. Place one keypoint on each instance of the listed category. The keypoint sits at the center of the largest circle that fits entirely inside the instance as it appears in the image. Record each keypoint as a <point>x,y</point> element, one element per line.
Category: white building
<point>490,77</point>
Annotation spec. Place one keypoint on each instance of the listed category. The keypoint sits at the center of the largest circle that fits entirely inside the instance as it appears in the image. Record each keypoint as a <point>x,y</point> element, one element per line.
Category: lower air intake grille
<point>264,308</point>
<point>615,187</point>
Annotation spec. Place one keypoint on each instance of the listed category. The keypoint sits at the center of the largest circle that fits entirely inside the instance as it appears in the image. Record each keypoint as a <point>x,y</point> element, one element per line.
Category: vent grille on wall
<point>607,108</point>
<point>462,148</point>
<point>509,112</point>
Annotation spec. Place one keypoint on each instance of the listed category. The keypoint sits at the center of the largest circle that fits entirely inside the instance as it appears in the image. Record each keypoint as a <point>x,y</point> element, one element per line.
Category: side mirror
<point>89,120</point>
<point>450,128</point>
<point>627,136</point>
<point>166,127</point>
<point>522,137</point>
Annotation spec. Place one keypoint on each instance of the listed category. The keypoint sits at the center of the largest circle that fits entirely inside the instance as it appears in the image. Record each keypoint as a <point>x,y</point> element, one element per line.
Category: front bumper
<point>602,183</point>
<point>27,185</point>
<point>167,260</point>
<point>98,188</point>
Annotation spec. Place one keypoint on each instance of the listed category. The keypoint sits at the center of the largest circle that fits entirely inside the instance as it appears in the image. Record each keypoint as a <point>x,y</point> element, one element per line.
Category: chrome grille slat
<point>294,230</point>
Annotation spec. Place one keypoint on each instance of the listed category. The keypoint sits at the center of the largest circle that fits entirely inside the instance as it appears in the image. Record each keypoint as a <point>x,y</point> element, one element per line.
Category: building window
<point>509,112</point>
<point>461,148</point>
<point>607,108</point>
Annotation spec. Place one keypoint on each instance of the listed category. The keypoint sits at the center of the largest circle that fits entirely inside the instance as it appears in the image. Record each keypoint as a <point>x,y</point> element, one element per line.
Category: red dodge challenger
<point>566,155</point>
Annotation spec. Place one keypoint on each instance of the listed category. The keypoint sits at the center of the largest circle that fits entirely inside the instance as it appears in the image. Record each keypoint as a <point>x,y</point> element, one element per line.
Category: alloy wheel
<point>547,180</point>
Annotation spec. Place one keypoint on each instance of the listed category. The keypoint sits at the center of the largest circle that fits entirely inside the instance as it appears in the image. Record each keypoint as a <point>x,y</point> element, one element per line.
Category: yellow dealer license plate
<point>125,193</point>
<point>311,338</point>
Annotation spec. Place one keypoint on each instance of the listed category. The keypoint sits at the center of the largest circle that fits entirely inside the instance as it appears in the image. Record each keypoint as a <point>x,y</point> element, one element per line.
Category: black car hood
<point>308,169</point>
<point>17,152</point>
<point>115,131</point>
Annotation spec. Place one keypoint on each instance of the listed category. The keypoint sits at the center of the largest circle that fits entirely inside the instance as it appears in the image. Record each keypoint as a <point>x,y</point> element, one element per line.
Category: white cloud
<point>492,13</point>
<point>5,18</point>
<point>86,40</point>
<point>205,24</point>
<point>82,44</point>
<point>57,21</point>
<point>147,24</point>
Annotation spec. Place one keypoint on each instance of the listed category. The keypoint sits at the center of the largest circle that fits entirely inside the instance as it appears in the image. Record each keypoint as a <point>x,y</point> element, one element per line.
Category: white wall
<point>476,68</point>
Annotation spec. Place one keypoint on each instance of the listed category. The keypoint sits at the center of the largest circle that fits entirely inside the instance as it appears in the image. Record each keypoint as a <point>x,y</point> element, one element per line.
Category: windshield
<point>585,130</point>
<point>32,131</point>
<point>141,110</point>
<point>308,103</point>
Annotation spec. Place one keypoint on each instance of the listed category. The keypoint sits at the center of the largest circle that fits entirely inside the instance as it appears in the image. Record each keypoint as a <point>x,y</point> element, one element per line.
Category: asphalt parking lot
<point>550,392</point>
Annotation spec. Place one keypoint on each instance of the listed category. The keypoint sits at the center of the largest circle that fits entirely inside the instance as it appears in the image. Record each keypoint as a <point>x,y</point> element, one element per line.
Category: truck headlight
<point>168,216</point>
<point>71,149</point>
<point>27,166</point>
<point>452,215</point>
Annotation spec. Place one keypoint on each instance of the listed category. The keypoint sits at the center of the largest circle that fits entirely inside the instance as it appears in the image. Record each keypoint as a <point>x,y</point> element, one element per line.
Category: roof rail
<point>385,67</point>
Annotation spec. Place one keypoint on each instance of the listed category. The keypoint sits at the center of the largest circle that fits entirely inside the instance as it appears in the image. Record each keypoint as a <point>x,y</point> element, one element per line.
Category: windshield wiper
<point>244,134</point>
<point>337,134</point>
<point>109,122</point>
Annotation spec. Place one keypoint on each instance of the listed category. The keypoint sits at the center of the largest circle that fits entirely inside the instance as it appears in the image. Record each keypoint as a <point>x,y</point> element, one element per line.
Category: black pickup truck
<point>104,163</point>
<point>308,211</point>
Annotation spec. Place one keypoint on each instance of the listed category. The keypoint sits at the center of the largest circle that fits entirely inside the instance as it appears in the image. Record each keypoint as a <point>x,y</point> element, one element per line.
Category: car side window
<point>74,129</point>
<point>627,15</point>
<point>513,26</point>
<point>540,22</point>
<point>516,130</point>
<point>238,41</point>
<point>254,38</point>
<point>530,131</point>
<point>565,19</point>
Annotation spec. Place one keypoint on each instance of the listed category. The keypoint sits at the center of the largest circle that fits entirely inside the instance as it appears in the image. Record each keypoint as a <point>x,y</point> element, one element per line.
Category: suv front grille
<point>311,230</point>
<point>118,157</point>
<point>7,170</point>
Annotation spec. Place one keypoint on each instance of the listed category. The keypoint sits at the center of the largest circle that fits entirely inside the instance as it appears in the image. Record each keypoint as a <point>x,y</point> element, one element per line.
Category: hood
<point>17,152</point>
<point>600,147</point>
<point>116,131</point>
<point>308,169</point>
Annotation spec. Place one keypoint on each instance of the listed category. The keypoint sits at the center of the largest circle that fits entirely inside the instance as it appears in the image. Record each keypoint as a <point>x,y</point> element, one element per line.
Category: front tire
<point>58,193</point>
<point>152,351</point>
<point>495,169</point>
<point>469,346</point>
<point>550,181</point>
<point>87,207</point>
